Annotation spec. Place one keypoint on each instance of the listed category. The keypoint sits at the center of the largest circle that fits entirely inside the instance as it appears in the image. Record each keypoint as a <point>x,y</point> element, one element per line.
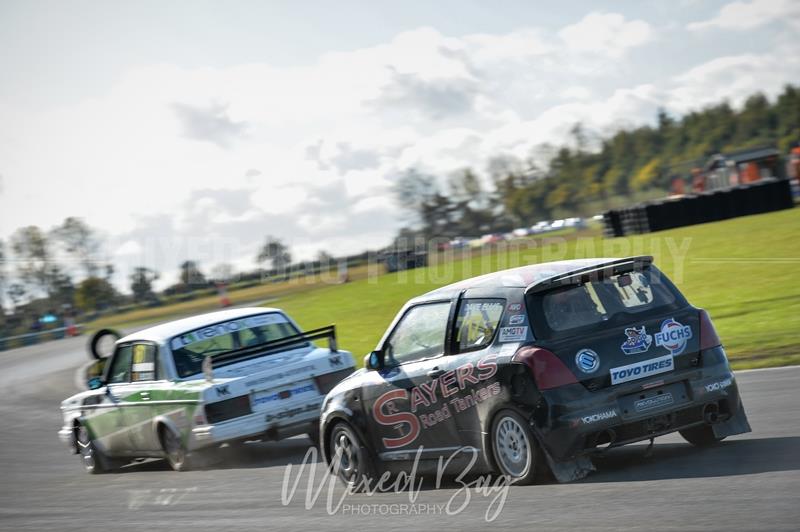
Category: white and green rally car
<point>189,385</point>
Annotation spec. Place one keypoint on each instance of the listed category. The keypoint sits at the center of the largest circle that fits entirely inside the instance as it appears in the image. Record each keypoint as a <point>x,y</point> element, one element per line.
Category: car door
<point>106,420</point>
<point>408,400</point>
<point>142,397</point>
<point>476,325</point>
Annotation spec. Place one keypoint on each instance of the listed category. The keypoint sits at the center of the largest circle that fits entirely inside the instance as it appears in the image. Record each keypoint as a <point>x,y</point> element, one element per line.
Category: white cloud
<point>576,93</point>
<point>749,15</point>
<point>733,78</point>
<point>176,163</point>
<point>608,34</point>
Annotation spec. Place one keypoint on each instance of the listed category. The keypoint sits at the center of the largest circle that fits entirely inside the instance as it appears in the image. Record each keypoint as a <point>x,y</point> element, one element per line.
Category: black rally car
<point>534,368</point>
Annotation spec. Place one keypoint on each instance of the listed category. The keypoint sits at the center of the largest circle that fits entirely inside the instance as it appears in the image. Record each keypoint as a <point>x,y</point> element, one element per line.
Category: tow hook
<point>659,423</point>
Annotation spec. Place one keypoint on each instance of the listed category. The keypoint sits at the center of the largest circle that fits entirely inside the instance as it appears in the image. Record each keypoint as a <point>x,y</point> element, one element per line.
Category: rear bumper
<point>583,422</point>
<point>273,425</point>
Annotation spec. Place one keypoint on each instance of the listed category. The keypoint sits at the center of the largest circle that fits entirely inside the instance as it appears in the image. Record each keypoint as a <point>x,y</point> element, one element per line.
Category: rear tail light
<point>200,416</point>
<point>228,409</point>
<point>547,369</point>
<point>708,335</point>
<point>327,381</point>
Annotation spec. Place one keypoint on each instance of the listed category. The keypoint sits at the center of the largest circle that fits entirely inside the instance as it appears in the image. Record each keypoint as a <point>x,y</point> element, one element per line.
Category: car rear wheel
<point>701,436</point>
<point>93,460</point>
<point>349,458</point>
<point>174,450</point>
<point>514,448</point>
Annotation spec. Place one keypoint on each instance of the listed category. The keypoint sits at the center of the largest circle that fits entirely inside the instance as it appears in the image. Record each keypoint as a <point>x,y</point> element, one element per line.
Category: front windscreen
<point>189,349</point>
<point>605,300</point>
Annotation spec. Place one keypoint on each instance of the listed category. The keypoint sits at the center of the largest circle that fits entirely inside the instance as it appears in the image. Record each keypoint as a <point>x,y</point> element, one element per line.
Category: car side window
<point>143,367</point>
<point>120,370</point>
<point>477,322</point>
<point>420,334</point>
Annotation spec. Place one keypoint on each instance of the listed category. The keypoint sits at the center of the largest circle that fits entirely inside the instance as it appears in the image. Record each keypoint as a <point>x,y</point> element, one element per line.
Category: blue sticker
<point>587,360</point>
<point>638,341</point>
<point>673,336</point>
<point>517,319</point>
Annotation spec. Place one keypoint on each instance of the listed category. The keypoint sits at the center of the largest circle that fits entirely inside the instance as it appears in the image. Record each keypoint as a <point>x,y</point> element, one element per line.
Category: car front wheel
<point>514,448</point>
<point>92,458</point>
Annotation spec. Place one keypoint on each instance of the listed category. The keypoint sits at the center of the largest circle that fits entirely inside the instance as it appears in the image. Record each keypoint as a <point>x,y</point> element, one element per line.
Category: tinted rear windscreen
<point>611,300</point>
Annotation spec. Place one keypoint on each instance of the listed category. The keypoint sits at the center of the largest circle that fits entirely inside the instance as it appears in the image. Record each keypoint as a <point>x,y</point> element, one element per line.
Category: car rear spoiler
<point>272,346</point>
<point>591,273</point>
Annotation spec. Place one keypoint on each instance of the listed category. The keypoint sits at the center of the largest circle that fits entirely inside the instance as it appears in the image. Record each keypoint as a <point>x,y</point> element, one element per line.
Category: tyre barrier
<point>95,342</point>
<point>765,196</point>
<point>23,340</point>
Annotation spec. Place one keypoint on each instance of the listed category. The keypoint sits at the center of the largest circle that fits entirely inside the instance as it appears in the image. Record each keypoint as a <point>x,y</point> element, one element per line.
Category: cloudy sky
<point>191,129</point>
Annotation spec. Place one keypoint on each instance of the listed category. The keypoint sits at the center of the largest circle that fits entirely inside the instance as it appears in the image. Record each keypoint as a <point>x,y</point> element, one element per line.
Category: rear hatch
<point>617,328</point>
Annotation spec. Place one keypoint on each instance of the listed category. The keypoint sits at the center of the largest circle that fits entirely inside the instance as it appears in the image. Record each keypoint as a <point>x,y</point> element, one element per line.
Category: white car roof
<point>163,332</point>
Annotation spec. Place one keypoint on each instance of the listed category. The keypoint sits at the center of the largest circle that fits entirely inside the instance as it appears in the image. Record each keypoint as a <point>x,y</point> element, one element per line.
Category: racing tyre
<point>102,343</point>
<point>93,460</point>
<point>701,436</point>
<point>514,448</point>
<point>175,452</point>
<point>350,460</point>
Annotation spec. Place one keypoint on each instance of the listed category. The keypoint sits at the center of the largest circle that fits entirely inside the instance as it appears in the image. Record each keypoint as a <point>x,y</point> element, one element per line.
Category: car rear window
<point>604,300</point>
<point>189,349</point>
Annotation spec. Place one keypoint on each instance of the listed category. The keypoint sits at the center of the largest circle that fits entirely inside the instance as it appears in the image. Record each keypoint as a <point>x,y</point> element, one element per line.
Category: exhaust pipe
<point>711,413</point>
<point>604,439</point>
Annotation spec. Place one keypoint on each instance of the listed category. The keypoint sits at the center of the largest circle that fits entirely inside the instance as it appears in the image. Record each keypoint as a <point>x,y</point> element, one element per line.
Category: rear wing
<point>273,346</point>
<point>590,273</point>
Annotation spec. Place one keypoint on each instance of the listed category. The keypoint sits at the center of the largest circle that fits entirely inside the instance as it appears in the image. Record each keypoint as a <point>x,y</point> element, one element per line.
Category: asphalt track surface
<point>747,482</point>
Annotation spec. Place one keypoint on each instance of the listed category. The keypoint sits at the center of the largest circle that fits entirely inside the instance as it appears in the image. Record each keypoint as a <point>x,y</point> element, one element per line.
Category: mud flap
<point>569,470</point>
<point>737,424</point>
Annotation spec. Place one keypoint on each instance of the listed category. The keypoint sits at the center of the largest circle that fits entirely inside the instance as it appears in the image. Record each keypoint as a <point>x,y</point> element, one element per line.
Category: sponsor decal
<point>673,336</point>
<point>261,398</point>
<point>587,360</point>
<point>514,307</point>
<point>719,385</point>
<point>278,376</point>
<point>516,319</point>
<point>513,334</point>
<point>222,390</point>
<point>228,327</point>
<point>600,416</point>
<point>292,412</point>
<point>335,361</point>
<point>640,370</point>
<point>638,341</point>
<point>657,401</point>
<point>440,397</point>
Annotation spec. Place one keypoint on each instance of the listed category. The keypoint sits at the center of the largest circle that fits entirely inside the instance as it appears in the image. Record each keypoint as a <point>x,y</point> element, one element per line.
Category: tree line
<point>61,271</point>
<point>590,173</point>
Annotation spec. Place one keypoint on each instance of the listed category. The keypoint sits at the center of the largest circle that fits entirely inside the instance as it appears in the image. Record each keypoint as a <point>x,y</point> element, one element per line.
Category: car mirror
<point>94,383</point>
<point>374,360</point>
